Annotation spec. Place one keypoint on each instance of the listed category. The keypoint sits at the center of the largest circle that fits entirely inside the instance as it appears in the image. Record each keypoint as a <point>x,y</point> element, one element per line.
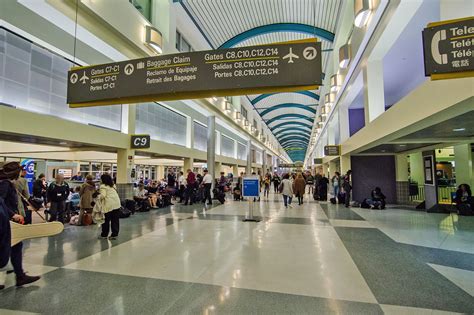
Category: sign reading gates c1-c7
<point>236,71</point>
<point>448,49</point>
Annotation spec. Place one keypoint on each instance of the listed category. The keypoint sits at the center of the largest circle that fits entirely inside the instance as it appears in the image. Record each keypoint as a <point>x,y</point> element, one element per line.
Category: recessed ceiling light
<point>402,145</point>
<point>62,143</point>
<point>383,151</point>
<point>459,129</point>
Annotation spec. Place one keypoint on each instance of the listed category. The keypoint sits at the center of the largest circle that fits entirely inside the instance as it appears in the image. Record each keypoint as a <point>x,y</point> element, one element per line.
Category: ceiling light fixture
<point>227,108</point>
<point>153,39</point>
<point>361,12</point>
<point>214,98</point>
<point>238,116</point>
<point>344,55</point>
<point>329,99</point>
<point>459,129</point>
<point>335,82</point>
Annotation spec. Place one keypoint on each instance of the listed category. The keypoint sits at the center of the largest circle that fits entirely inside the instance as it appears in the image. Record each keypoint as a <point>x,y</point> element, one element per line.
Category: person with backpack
<point>9,211</point>
<point>57,194</point>
<point>85,205</point>
<point>111,207</point>
<point>286,189</point>
<point>335,182</point>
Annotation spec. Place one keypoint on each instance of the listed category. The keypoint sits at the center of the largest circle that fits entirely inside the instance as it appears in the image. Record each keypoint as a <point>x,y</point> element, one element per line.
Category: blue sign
<point>29,166</point>
<point>251,187</point>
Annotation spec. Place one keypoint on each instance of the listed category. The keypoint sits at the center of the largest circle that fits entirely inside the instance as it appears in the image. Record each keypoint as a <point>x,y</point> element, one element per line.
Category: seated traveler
<point>464,201</point>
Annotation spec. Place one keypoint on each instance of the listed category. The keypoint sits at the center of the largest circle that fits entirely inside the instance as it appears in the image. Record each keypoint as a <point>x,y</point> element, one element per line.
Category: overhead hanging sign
<point>332,150</point>
<point>448,49</point>
<point>140,142</point>
<point>237,71</point>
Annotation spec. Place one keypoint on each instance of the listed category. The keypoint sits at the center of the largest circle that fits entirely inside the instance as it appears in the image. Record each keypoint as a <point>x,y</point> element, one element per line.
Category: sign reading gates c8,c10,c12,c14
<point>448,49</point>
<point>140,141</point>
<point>236,71</point>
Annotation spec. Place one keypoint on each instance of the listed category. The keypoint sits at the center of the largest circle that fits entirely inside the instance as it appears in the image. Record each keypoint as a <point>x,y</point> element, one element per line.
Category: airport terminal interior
<point>236,157</point>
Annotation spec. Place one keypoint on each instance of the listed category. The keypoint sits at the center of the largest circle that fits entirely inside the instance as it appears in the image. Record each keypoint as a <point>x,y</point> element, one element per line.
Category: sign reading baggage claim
<point>448,49</point>
<point>237,71</point>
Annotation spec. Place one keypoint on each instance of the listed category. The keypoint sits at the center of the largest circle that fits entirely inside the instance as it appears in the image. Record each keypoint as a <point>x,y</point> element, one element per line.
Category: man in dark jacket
<point>39,187</point>
<point>8,208</point>
<point>57,194</point>
<point>346,185</point>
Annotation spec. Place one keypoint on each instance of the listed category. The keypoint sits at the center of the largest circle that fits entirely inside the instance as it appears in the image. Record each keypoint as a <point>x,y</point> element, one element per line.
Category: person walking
<point>276,182</point>
<point>299,187</point>
<point>310,183</point>
<point>286,189</point>
<point>266,185</point>
<point>182,186</point>
<point>23,193</point>
<point>347,187</point>
<point>111,201</point>
<point>85,205</point>
<point>57,194</point>
<point>207,185</point>
<point>39,187</point>
<point>9,211</point>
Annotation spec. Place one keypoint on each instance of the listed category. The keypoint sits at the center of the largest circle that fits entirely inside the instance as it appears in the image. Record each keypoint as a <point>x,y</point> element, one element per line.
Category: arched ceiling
<point>239,23</point>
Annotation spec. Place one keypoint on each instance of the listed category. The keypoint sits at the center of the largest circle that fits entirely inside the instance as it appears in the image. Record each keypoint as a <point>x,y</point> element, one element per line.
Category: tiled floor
<point>311,259</point>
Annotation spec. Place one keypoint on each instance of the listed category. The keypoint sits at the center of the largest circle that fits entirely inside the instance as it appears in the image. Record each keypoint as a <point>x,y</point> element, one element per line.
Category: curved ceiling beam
<point>290,134</point>
<point>293,142</point>
<point>293,137</point>
<point>277,28</point>
<point>288,105</point>
<point>287,123</point>
<point>292,129</point>
<point>264,96</point>
<point>290,115</point>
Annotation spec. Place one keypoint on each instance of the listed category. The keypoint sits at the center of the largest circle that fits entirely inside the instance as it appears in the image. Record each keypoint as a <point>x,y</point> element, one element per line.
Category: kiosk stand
<point>251,190</point>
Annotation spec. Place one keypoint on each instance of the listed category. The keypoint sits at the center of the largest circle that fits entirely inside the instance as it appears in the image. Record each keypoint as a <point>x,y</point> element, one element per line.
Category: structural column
<point>332,168</point>
<point>264,162</point>
<point>160,172</point>
<point>463,163</point>
<point>188,164</point>
<point>345,163</point>
<point>125,160</point>
<point>401,178</point>
<point>235,169</point>
<point>374,97</point>
<point>217,169</point>
<point>211,145</point>
<point>248,169</point>
<point>344,132</point>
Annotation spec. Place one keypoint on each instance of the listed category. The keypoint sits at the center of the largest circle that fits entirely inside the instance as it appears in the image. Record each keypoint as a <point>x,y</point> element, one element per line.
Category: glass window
<point>143,6</point>
<point>161,123</point>
<point>182,44</point>
<point>242,151</point>
<point>33,78</point>
<point>227,146</point>
<point>178,41</point>
<point>200,136</point>
<point>244,112</point>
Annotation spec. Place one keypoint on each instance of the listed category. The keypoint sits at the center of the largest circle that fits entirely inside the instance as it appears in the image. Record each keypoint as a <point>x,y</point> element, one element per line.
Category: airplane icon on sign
<point>290,56</point>
<point>84,78</point>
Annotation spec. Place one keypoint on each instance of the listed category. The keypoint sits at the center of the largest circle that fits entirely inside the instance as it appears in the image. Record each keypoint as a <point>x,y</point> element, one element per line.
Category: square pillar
<point>217,169</point>
<point>345,163</point>
<point>188,164</point>
<point>401,178</point>
<point>125,163</point>
<point>235,170</point>
<point>374,95</point>
<point>463,164</point>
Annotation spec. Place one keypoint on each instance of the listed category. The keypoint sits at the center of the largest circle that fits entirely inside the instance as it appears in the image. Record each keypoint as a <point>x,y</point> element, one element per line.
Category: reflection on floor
<point>316,258</point>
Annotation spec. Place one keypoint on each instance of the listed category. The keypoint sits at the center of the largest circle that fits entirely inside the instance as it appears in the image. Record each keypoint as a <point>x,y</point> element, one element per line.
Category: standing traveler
<point>39,187</point>
<point>9,211</point>
<point>266,185</point>
<point>299,187</point>
<point>310,183</point>
<point>207,184</point>
<point>57,193</point>
<point>86,192</point>
<point>110,197</point>
<point>286,189</point>
<point>171,179</point>
<point>336,181</point>
<point>190,185</point>
<point>323,188</point>
<point>317,178</point>
<point>276,182</point>
<point>347,187</point>
<point>182,186</point>
<point>21,186</point>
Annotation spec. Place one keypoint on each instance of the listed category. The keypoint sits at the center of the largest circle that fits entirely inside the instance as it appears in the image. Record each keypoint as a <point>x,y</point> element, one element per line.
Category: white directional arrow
<point>309,53</point>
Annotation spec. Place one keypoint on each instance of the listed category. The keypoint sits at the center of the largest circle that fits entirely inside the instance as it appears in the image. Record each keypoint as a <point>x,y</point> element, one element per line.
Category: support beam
<point>374,95</point>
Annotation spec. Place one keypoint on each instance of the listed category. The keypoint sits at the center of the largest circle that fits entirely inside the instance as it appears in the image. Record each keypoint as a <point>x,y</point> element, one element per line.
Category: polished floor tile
<point>316,258</point>
<point>404,310</point>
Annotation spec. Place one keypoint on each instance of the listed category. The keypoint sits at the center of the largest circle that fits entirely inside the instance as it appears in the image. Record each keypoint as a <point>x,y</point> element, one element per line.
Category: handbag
<point>87,219</point>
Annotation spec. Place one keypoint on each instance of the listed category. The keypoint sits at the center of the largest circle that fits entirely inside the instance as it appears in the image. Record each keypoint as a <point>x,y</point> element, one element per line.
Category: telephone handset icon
<point>441,59</point>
